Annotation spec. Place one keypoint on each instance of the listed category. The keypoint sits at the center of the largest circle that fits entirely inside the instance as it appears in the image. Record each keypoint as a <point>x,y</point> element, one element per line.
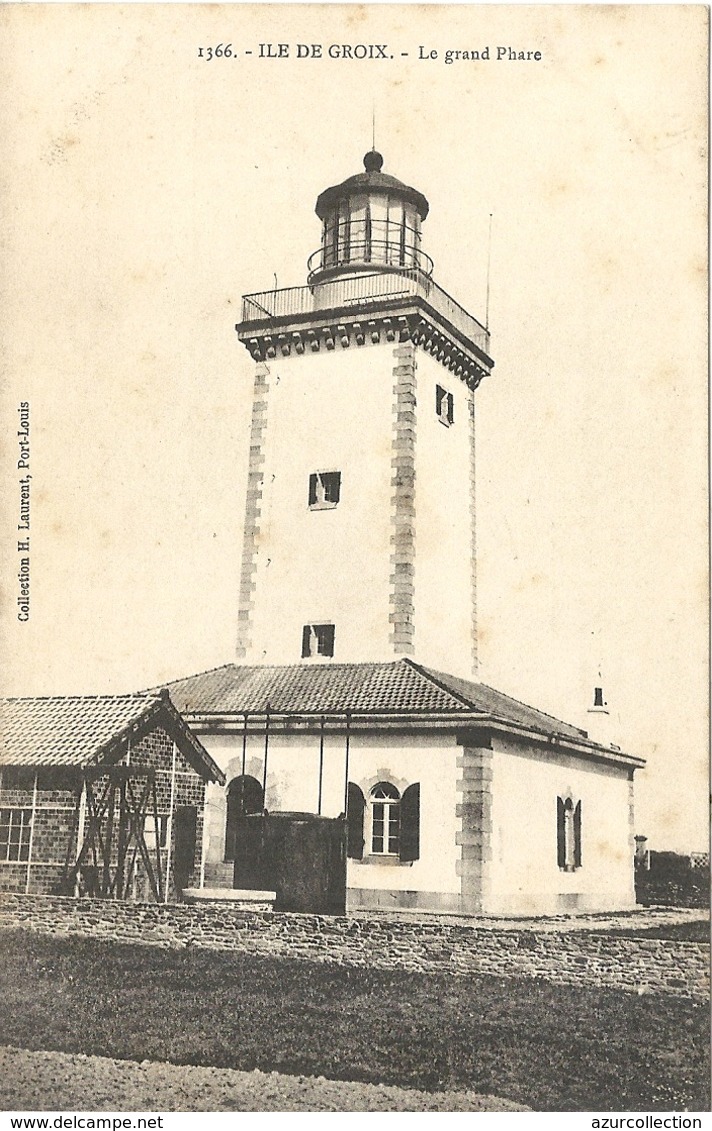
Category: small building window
<point>149,831</point>
<point>568,834</point>
<point>444,406</point>
<point>15,829</point>
<point>324,490</point>
<point>317,640</point>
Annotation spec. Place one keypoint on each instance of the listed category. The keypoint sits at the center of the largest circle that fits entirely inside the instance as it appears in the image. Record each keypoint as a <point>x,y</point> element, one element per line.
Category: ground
<point>526,1041</point>
<point>54,1081</point>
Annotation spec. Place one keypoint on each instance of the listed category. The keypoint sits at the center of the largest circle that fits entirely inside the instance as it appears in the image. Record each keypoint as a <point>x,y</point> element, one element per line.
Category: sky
<point>150,188</point>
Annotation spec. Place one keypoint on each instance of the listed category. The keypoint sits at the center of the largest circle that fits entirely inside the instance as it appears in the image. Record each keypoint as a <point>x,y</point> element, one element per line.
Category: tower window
<point>324,489</point>
<point>317,640</point>
<point>444,406</point>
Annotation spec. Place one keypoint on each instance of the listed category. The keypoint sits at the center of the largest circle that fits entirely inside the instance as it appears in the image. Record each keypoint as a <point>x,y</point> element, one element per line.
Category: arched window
<point>568,833</point>
<point>244,796</point>
<point>385,820</point>
<point>392,828</point>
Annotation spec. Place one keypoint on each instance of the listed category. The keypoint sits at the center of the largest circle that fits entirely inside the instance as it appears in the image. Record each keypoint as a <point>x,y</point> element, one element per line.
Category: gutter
<point>309,722</point>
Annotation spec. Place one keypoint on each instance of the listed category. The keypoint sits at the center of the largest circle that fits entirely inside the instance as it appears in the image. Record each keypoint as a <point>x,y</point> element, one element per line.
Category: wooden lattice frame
<point>118,800</point>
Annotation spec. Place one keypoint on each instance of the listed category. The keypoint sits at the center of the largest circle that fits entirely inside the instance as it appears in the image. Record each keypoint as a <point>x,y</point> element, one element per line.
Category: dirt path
<point>55,1081</point>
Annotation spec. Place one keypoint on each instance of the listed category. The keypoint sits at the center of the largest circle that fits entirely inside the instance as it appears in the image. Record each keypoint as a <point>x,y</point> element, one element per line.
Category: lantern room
<point>372,221</point>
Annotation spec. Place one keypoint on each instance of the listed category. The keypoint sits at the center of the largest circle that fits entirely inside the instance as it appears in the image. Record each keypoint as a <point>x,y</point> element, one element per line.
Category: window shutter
<point>577,835</point>
<point>312,490</point>
<point>560,833</point>
<point>327,640</point>
<point>306,641</point>
<point>410,823</point>
<point>355,805</point>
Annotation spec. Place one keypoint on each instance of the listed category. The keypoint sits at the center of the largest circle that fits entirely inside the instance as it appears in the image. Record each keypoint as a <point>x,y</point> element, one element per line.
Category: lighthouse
<point>366,766</point>
<point>359,539</point>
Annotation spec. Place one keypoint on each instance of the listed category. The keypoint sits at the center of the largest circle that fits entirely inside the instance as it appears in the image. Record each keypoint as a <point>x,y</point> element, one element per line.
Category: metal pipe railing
<point>360,289</point>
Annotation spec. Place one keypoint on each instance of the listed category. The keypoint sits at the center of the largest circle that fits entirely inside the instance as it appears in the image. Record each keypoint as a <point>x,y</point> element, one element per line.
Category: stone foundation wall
<point>573,958</point>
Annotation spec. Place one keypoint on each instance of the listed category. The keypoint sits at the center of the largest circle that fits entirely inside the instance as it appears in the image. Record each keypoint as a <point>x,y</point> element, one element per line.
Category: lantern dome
<point>370,222</point>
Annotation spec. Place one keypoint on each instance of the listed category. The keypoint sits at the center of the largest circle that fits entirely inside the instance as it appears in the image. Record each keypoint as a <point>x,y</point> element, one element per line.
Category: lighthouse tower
<point>359,540</point>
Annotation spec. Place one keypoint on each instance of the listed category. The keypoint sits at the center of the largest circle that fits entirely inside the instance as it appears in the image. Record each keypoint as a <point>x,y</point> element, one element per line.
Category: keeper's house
<point>101,795</point>
<point>458,797</point>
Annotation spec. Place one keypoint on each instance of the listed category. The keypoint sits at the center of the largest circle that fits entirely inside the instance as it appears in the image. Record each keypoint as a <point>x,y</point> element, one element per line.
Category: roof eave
<point>216,722</point>
<point>160,712</point>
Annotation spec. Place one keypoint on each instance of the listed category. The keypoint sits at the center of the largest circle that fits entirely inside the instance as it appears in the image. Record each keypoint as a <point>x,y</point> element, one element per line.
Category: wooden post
<point>81,821</point>
<point>321,762</point>
<point>32,833</point>
<point>346,763</point>
<point>204,838</point>
<point>264,768</point>
<point>244,744</point>
<point>169,830</point>
<point>157,826</point>
<point>122,843</point>
<point>106,870</point>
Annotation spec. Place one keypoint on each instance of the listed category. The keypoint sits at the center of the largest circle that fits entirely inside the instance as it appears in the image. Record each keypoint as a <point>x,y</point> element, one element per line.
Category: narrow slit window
<point>444,406</point>
<point>568,834</point>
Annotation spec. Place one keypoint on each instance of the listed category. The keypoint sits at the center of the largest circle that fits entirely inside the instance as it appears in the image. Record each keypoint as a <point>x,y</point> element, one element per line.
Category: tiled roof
<point>501,706</point>
<point>398,687</point>
<point>312,688</point>
<point>81,730</point>
<point>65,730</point>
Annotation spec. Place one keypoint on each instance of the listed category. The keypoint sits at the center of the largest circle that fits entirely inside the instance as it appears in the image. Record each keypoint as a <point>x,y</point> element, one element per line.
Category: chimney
<point>598,717</point>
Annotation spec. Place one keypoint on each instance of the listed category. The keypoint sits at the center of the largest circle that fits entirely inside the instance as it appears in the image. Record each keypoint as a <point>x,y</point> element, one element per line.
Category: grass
<point>549,1047</point>
<point>697,930</point>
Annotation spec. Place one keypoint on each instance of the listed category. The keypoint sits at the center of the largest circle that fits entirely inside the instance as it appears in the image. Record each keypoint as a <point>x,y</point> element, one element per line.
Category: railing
<point>363,290</point>
<point>367,241</point>
<point>376,252</point>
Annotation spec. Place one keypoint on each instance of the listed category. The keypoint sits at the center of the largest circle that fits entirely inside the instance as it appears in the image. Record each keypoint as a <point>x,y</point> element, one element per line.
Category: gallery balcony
<point>377,294</point>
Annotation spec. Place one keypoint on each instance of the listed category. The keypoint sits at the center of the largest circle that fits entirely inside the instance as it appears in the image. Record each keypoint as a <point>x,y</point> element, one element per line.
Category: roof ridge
<point>194,675</point>
<point>512,699</point>
<point>77,698</point>
<point>426,673</point>
<point>125,729</point>
<point>285,667</point>
<point>546,714</point>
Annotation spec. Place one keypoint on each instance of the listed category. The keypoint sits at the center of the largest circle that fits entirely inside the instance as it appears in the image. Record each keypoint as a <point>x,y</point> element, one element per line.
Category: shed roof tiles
<point>83,730</point>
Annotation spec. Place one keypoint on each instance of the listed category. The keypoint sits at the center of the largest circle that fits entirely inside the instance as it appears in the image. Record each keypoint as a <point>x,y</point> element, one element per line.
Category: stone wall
<point>633,965</point>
